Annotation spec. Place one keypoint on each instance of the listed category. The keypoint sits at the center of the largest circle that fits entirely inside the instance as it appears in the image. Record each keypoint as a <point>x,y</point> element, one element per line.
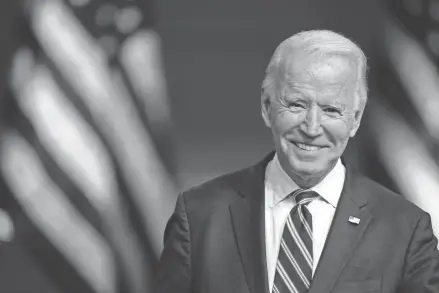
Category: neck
<point>305,183</point>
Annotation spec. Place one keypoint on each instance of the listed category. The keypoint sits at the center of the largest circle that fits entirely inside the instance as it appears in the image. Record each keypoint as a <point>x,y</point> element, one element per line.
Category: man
<point>301,220</point>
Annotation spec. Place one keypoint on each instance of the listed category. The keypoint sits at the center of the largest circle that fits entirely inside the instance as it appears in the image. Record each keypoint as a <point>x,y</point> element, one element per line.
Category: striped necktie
<point>294,264</point>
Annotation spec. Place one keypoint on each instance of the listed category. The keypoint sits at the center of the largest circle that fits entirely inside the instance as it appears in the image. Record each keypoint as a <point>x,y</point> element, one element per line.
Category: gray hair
<point>317,43</point>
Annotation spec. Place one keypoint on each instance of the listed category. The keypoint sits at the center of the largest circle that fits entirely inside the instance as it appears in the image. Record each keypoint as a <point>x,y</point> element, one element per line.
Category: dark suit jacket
<point>215,241</point>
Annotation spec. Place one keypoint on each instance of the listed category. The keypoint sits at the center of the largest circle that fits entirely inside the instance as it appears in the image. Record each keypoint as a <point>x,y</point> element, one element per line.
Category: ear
<point>356,123</point>
<point>265,109</point>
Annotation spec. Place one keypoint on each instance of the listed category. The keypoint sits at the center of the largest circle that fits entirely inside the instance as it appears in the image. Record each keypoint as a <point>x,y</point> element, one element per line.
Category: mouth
<point>308,147</point>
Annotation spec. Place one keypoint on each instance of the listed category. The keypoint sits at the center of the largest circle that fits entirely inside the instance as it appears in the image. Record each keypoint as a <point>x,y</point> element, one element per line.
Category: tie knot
<point>304,196</point>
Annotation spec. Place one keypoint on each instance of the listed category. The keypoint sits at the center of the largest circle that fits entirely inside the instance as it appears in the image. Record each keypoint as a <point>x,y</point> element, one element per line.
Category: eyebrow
<point>293,97</point>
<point>337,105</point>
<point>296,86</point>
<point>333,103</point>
<point>295,90</point>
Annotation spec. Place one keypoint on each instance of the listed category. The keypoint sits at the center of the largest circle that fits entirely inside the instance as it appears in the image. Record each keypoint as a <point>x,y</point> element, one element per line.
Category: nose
<point>311,125</point>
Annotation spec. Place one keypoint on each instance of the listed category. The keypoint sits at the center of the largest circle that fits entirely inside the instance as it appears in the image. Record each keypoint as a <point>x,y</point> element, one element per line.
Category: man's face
<point>313,114</point>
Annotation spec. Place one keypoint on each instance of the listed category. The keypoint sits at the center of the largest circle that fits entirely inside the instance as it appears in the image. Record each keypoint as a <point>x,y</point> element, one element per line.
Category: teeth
<point>307,147</point>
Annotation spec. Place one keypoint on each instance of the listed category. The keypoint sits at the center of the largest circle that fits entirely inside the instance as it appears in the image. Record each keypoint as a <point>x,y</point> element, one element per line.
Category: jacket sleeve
<point>174,269</point>
<point>421,274</point>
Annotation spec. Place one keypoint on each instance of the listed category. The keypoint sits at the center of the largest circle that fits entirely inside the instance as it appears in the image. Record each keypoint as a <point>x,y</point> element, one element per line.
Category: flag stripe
<point>52,115</point>
<point>49,209</point>
<point>77,150</point>
<point>407,56</point>
<point>94,137</point>
<point>158,124</point>
<point>57,174</point>
<point>69,47</point>
<point>49,259</point>
<point>404,121</point>
<point>407,161</point>
<point>140,58</point>
<point>133,213</point>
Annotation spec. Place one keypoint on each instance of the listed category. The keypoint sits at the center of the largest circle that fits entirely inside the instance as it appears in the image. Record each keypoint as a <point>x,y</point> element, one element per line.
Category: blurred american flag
<point>86,156</point>
<point>401,147</point>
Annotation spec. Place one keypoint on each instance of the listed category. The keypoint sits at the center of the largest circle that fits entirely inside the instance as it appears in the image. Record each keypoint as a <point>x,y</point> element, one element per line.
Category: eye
<point>332,110</point>
<point>296,105</point>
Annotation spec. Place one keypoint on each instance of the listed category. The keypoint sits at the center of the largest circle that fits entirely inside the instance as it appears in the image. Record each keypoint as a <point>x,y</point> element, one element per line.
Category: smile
<point>307,147</point>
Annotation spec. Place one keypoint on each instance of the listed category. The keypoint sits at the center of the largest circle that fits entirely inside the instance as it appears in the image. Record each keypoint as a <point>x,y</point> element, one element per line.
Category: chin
<point>304,166</point>
<point>308,169</point>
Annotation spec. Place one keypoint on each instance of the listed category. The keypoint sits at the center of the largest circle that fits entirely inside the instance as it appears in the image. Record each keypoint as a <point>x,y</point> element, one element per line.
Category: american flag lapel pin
<point>354,220</point>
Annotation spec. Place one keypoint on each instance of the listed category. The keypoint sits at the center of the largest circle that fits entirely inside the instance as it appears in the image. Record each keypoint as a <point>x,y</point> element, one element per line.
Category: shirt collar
<point>329,188</point>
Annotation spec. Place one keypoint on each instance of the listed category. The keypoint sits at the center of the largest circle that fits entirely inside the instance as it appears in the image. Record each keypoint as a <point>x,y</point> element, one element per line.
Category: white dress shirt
<point>277,207</point>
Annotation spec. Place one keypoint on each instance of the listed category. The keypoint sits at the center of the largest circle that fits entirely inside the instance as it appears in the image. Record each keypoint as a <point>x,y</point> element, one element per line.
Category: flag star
<point>128,19</point>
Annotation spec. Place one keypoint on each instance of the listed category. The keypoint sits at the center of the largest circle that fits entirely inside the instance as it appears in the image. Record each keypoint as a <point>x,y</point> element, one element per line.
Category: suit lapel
<point>343,236</point>
<point>249,235</point>
<point>248,218</point>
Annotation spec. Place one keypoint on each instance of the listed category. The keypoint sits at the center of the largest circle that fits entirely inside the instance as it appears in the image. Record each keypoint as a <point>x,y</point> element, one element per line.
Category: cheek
<point>338,131</point>
<point>284,122</point>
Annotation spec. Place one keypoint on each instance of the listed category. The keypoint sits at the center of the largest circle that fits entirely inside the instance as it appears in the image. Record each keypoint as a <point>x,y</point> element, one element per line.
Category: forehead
<point>323,72</point>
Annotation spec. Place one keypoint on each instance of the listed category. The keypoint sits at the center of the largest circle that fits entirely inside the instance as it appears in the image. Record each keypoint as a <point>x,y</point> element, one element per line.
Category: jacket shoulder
<point>389,202</point>
<point>217,191</point>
